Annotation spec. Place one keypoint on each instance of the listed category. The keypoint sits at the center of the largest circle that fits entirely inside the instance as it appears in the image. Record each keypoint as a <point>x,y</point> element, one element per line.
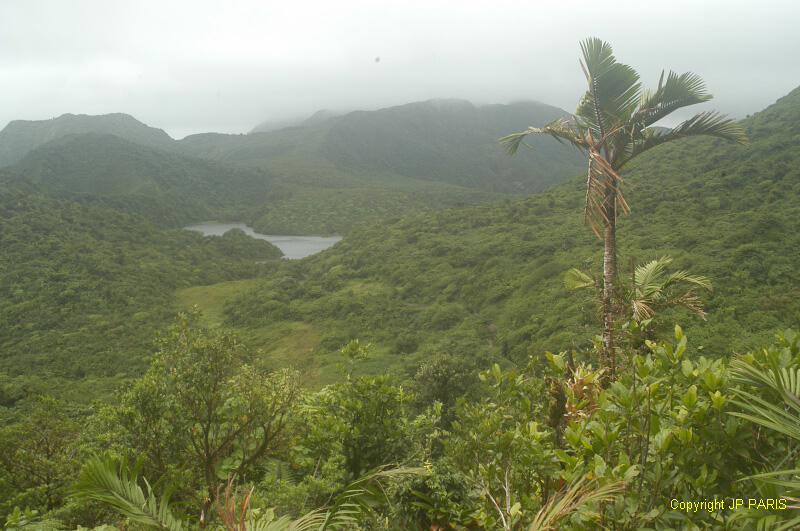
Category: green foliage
<point>38,454</point>
<point>662,427</point>
<point>29,520</point>
<point>535,441</point>
<point>502,450</point>
<point>83,288</point>
<point>202,413</point>
<point>503,263</point>
<point>770,397</point>
<point>613,124</point>
<point>325,177</point>
<point>651,289</point>
<point>169,189</point>
<point>444,141</point>
<point>577,279</point>
<point>579,494</point>
<point>114,483</point>
<point>325,208</point>
<point>366,423</point>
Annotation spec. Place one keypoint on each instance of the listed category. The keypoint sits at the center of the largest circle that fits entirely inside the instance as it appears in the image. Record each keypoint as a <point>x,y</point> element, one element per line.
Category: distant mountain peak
<point>319,117</point>
<point>316,118</point>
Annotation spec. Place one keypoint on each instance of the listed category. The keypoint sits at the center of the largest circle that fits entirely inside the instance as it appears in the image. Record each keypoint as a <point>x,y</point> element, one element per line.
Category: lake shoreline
<point>293,247</point>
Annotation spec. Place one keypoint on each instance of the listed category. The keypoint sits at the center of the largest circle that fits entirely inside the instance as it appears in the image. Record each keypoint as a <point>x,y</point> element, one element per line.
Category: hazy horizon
<point>211,66</point>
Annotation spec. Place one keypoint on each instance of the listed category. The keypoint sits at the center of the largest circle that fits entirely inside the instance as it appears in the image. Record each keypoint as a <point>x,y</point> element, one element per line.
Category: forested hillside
<point>22,136</point>
<point>84,288</point>
<point>448,141</point>
<point>325,176</point>
<point>488,281</point>
<point>319,290</point>
<point>167,188</point>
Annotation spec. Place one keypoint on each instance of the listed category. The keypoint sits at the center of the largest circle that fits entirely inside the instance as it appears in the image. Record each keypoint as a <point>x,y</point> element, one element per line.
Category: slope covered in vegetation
<point>431,301</point>
<point>324,176</point>
<point>167,188</point>
<point>22,136</point>
<point>447,141</point>
<point>84,288</point>
<point>489,280</point>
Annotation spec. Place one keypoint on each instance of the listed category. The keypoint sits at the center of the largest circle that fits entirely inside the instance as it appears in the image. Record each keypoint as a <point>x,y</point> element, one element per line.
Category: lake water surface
<point>293,247</point>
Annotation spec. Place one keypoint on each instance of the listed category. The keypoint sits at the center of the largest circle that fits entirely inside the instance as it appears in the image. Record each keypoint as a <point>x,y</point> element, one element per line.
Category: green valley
<point>488,280</point>
<point>436,316</point>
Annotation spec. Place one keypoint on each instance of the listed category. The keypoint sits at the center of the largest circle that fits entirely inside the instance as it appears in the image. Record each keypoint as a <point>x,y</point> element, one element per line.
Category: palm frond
<point>642,309</point>
<point>580,494</point>
<point>238,516</point>
<point>600,180</point>
<point>784,381</point>
<point>684,277</point>
<point>652,287</point>
<point>313,521</point>
<point>707,123</point>
<point>679,90</point>
<point>562,130</point>
<point>691,302</point>
<point>782,417</point>
<point>647,275</point>
<point>614,89</point>
<point>109,480</point>
<point>577,279</point>
<point>362,495</point>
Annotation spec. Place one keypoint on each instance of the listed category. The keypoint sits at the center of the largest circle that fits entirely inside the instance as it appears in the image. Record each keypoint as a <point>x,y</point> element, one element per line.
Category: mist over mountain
<point>274,125</point>
<point>377,164</point>
<point>450,141</point>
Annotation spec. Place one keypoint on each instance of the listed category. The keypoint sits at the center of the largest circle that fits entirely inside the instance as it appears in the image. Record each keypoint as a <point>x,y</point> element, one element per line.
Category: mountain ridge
<point>168,187</point>
<point>22,136</point>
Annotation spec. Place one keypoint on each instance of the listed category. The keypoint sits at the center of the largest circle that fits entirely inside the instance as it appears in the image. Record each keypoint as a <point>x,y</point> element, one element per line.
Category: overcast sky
<point>195,66</point>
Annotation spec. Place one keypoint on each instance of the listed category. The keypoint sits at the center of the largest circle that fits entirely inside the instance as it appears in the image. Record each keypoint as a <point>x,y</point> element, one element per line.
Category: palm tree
<point>653,288</point>
<point>613,124</point>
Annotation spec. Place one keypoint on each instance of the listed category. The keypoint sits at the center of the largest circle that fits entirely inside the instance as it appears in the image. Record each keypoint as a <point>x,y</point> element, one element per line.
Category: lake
<point>293,247</point>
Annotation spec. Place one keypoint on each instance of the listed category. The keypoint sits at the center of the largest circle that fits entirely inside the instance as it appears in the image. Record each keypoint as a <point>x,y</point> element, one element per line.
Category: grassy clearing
<point>211,299</point>
<point>287,343</point>
<point>284,344</point>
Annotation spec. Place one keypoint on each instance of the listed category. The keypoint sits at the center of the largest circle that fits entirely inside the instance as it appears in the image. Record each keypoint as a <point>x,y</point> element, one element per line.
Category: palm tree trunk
<point>609,279</point>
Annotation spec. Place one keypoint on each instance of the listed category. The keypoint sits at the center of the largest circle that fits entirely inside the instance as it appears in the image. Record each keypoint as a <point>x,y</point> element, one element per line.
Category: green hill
<point>488,280</point>
<point>83,288</point>
<point>452,141</point>
<point>172,189</point>
<point>339,172</point>
<point>447,141</point>
<point>166,187</point>
<point>22,136</point>
<point>327,175</point>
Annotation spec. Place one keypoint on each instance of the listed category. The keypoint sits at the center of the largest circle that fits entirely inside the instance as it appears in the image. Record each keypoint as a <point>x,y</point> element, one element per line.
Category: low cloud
<point>225,66</point>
